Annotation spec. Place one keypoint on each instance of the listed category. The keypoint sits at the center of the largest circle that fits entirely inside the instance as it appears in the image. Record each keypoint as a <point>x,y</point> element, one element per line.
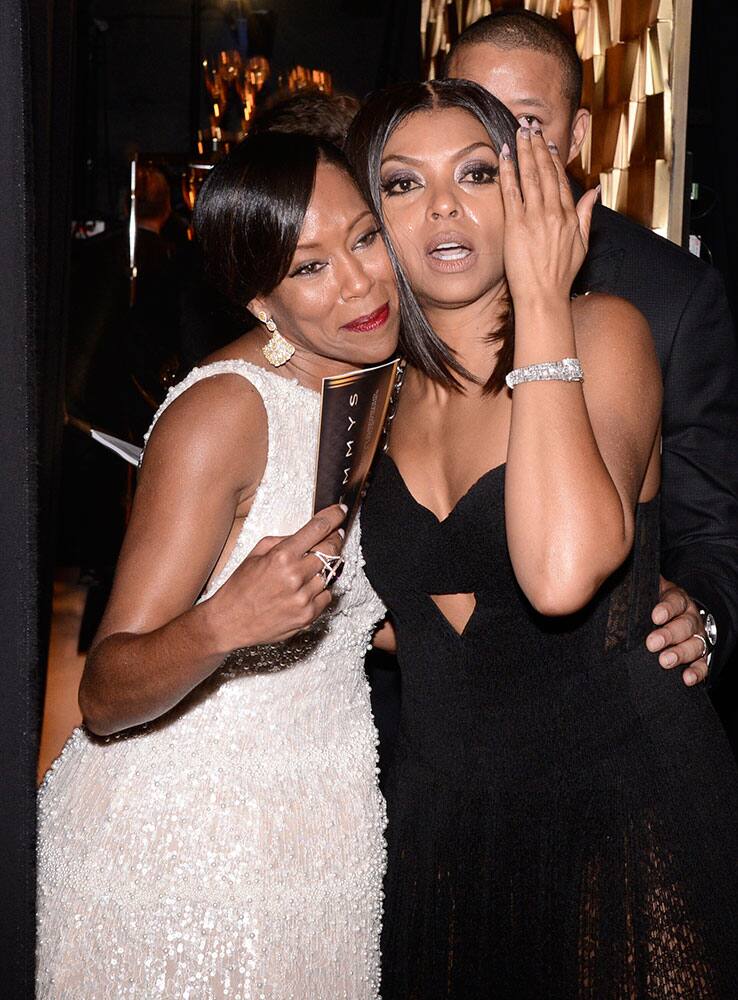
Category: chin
<point>367,358</point>
<point>450,294</point>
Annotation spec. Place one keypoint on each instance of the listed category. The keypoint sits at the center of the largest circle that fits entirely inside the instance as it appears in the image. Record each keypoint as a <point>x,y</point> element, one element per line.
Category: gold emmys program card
<point>353,411</point>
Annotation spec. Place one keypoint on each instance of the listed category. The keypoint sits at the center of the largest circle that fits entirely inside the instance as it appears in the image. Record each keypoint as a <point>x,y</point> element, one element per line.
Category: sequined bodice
<point>282,504</point>
<point>234,847</point>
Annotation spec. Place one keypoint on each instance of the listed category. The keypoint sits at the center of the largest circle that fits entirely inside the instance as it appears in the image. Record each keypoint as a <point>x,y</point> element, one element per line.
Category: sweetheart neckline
<point>477,482</point>
<point>431,513</point>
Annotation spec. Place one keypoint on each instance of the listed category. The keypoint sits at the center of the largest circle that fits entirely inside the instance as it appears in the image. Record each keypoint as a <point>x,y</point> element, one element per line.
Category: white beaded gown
<point>233,849</point>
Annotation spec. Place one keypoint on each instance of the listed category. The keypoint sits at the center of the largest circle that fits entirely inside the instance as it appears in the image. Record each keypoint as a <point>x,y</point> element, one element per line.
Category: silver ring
<point>705,647</point>
<point>330,568</point>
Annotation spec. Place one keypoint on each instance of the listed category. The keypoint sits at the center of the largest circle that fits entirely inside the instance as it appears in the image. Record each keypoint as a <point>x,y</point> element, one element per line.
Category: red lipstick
<point>369,322</point>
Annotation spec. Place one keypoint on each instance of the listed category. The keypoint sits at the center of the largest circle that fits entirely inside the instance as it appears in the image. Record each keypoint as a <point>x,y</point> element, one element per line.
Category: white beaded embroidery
<point>232,850</point>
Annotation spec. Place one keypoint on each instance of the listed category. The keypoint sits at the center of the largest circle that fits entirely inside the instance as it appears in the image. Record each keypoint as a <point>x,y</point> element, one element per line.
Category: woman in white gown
<point>216,829</point>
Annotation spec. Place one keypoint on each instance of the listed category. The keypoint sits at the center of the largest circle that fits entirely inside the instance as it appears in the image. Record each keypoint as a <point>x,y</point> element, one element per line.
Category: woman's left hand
<point>546,234</point>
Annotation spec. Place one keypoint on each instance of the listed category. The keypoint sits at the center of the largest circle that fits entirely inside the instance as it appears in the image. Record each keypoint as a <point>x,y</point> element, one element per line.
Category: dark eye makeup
<point>399,183</point>
<point>368,238</point>
<point>479,172</point>
<point>308,268</point>
<point>311,267</point>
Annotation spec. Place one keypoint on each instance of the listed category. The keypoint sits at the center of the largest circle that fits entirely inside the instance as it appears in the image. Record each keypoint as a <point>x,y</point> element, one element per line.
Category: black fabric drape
<point>19,704</point>
<point>401,55</point>
<point>51,57</point>
<point>35,116</point>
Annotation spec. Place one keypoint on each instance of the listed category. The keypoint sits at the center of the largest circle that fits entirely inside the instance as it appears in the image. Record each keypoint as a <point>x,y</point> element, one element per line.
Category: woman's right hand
<point>278,589</point>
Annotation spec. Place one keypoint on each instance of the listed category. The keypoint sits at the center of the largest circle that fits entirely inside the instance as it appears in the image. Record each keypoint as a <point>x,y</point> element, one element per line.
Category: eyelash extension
<point>387,184</point>
<point>370,234</point>
<point>488,168</point>
<point>301,269</point>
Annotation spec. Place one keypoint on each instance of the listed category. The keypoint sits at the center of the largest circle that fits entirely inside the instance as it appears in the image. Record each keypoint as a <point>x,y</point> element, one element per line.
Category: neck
<point>310,369</point>
<point>465,328</point>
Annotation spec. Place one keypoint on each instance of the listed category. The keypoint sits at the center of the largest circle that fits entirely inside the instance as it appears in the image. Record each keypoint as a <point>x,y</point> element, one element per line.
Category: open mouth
<point>450,251</point>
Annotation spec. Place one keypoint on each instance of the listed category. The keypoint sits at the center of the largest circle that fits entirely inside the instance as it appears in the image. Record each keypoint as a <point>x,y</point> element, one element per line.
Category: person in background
<point>152,340</point>
<point>312,112</point>
<point>527,62</point>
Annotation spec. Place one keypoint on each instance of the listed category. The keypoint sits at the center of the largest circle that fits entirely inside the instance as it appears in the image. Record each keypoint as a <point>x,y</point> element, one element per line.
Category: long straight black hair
<point>380,115</point>
<point>250,212</point>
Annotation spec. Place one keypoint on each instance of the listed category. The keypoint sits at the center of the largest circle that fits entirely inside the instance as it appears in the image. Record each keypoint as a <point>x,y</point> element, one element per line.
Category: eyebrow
<point>315,246</point>
<point>458,155</point>
<point>531,102</point>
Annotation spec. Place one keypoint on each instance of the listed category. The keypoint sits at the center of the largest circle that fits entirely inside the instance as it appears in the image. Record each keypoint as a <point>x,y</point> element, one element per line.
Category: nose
<point>356,282</point>
<point>443,204</point>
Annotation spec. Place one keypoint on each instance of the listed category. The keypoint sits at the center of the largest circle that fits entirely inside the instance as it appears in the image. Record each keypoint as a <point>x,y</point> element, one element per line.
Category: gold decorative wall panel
<point>635,55</point>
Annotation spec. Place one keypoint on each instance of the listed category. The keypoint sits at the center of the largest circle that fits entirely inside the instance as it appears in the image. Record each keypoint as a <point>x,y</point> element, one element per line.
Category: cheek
<point>308,303</point>
<point>559,133</point>
<point>379,266</point>
<point>407,242</point>
<point>490,220</point>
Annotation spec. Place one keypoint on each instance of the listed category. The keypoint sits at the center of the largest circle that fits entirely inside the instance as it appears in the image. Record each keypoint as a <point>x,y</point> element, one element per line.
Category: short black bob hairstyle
<point>250,212</point>
<point>380,115</point>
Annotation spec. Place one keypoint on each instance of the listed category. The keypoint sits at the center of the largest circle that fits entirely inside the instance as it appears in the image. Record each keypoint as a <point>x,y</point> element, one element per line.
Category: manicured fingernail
<point>537,131</point>
<point>690,678</point>
<point>553,148</point>
<point>660,616</point>
<point>524,132</point>
<point>655,643</point>
<point>343,507</point>
<point>505,152</point>
<point>342,532</point>
<point>668,659</point>
<point>598,192</point>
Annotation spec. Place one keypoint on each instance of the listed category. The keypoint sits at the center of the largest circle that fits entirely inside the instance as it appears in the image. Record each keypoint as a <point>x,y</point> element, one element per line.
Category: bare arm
<point>578,452</point>
<point>204,460</point>
<point>385,638</point>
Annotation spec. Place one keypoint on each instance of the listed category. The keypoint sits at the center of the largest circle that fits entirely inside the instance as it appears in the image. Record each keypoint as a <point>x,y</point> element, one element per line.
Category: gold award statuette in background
<point>352,415</point>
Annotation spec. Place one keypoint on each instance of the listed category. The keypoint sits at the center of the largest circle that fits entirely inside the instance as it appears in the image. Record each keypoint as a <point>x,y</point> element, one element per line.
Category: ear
<point>257,305</point>
<point>578,133</point>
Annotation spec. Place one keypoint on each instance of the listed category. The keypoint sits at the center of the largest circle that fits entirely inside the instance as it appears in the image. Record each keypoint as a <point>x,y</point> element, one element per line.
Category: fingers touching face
<point>442,205</point>
<point>339,299</point>
<point>531,84</point>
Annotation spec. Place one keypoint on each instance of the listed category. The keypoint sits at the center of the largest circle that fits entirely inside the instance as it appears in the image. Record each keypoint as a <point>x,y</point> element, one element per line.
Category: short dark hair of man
<point>524,29</point>
<point>310,112</point>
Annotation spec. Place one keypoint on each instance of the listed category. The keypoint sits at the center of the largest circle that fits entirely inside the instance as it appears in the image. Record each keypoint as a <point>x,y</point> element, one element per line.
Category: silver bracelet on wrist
<point>566,370</point>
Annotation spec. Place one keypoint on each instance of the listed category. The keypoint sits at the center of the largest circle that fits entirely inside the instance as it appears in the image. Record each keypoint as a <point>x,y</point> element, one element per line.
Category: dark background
<point>140,61</point>
<point>712,140</point>
<point>81,85</point>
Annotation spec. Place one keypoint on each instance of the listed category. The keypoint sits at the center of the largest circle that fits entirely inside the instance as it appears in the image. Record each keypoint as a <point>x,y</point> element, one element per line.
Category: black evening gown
<point>563,813</point>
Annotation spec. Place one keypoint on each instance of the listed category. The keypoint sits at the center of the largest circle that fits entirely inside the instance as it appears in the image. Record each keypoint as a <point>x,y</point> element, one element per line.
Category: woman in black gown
<point>563,814</point>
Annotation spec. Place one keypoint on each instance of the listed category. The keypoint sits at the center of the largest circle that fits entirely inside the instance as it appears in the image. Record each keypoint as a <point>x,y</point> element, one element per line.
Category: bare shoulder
<point>243,348</point>
<point>215,433</point>
<point>613,338</point>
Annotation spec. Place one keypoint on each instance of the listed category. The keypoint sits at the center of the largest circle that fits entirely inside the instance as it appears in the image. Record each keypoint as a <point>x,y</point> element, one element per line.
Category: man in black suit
<point>527,62</point>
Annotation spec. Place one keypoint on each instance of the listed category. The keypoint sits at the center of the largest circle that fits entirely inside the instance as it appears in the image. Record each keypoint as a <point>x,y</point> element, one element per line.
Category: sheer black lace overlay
<point>563,814</point>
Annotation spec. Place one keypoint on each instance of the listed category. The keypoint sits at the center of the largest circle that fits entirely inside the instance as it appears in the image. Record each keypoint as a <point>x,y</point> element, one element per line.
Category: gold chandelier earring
<point>277,350</point>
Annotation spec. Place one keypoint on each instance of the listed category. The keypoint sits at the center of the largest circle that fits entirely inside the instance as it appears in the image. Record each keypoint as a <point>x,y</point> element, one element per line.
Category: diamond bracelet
<point>566,370</point>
